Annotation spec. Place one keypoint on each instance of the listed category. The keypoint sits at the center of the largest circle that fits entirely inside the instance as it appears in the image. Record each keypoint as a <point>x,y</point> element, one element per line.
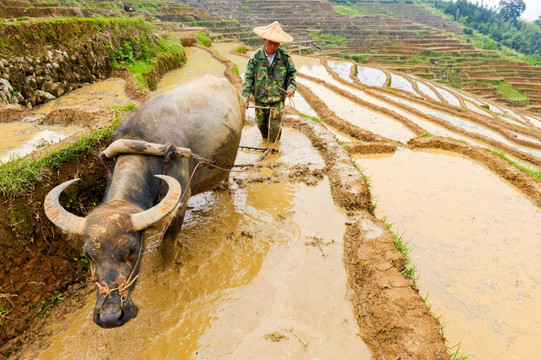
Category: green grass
<point>402,246</point>
<point>46,306</point>
<point>508,92</point>
<point>3,315</point>
<point>346,10</point>
<point>204,40</point>
<point>330,40</point>
<point>241,49</point>
<point>454,353</point>
<point>128,108</point>
<point>313,118</point>
<point>140,57</point>
<point>536,174</point>
<point>20,174</point>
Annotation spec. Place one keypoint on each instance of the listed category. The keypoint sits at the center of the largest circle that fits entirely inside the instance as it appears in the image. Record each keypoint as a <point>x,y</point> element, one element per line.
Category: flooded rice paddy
<point>475,244</point>
<point>364,118</point>
<point>260,272</point>
<point>425,89</point>
<point>401,83</point>
<point>342,68</point>
<point>18,139</point>
<point>371,76</point>
<point>198,63</point>
<point>104,93</point>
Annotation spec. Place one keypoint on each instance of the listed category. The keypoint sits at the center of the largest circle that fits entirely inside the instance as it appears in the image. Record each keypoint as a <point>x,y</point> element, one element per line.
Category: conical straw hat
<point>273,32</point>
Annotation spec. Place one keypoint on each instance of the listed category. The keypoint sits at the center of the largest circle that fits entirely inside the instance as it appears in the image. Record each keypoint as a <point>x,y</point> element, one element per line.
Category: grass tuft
<point>536,174</point>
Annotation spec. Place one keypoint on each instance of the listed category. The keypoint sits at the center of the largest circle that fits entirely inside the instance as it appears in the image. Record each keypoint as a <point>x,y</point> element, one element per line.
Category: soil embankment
<point>46,59</point>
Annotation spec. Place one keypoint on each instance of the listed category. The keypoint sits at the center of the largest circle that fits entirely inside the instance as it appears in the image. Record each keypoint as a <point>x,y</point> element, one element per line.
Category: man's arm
<point>291,77</point>
<point>248,83</point>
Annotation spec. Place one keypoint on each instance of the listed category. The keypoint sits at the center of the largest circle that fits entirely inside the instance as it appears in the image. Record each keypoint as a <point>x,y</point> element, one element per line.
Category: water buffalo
<point>204,115</point>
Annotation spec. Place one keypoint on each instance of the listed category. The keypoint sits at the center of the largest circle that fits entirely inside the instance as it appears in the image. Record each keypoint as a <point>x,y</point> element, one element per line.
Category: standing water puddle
<point>475,244</point>
<point>260,276</point>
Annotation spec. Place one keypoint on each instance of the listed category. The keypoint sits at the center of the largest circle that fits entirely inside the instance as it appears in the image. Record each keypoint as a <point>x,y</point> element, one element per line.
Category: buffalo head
<point>113,244</point>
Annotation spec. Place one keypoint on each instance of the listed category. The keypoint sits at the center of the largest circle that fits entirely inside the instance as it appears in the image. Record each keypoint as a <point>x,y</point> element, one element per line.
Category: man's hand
<point>290,93</point>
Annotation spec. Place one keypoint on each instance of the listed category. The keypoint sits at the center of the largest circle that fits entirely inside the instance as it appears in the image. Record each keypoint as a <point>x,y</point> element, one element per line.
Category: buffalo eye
<point>131,253</point>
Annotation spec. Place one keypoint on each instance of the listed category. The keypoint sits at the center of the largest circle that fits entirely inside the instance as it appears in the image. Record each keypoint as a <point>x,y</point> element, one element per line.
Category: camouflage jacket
<point>268,83</point>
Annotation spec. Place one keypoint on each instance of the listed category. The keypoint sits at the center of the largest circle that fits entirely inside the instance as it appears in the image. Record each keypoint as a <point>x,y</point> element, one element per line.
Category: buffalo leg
<point>168,247</point>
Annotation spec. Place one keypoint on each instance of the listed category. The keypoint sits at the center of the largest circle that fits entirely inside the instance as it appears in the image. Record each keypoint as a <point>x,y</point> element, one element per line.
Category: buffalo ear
<point>147,218</point>
<point>65,220</point>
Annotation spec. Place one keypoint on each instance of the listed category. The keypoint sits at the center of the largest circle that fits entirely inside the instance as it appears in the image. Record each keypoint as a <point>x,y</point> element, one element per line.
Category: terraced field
<point>398,218</point>
<point>401,36</point>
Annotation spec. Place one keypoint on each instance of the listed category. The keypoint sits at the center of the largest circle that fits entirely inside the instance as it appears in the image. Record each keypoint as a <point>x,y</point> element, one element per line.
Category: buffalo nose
<point>111,318</point>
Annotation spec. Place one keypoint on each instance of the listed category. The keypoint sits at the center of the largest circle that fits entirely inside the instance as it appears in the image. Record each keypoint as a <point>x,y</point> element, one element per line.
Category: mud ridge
<point>393,319</point>
<point>348,187</point>
<point>530,187</point>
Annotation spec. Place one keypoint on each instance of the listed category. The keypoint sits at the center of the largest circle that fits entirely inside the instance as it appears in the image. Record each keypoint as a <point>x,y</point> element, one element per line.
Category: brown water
<point>21,138</point>
<point>260,276</point>
<point>103,93</point>
<point>475,244</point>
<point>199,62</point>
<point>224,49</point>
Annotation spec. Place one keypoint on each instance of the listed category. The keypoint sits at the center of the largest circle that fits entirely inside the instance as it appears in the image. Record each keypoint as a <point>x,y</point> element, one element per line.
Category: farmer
<point>270,78</point>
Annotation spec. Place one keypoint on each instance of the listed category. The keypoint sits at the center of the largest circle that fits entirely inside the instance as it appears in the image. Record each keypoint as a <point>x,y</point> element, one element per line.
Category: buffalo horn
<point>65,220</point>
<point>145,219</point>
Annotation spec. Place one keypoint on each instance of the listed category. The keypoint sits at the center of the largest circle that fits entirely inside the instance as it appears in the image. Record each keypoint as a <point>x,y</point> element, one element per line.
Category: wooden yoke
<point>127,146</point>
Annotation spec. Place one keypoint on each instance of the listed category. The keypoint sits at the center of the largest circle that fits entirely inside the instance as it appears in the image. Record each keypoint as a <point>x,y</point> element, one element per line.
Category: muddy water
<point>313,67</point>
<point>300,104</point>
<point>224,49</point>
<point>19,139</point>
<point>357,115</point>
<point>199,62</point>
<point>260,275</point>
<point>475,243</point>
<point>102,93</point>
